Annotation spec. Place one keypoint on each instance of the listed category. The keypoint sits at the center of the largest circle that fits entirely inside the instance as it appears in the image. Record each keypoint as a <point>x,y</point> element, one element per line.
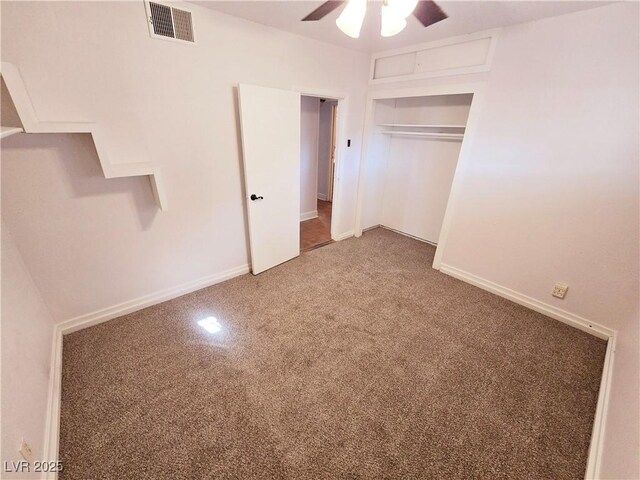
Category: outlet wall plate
<point>560,290</point>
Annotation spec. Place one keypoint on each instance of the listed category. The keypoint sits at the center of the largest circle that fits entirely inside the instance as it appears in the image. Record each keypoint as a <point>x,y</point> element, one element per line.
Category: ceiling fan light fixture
<point>351,18</point>
<point>402,8</point>
<point>392,21</point>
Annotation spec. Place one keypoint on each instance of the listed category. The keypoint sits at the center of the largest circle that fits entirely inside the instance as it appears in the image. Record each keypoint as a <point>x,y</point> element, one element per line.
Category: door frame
<point>332,154</point>
<point>341,126</point>
<point>464,158</point>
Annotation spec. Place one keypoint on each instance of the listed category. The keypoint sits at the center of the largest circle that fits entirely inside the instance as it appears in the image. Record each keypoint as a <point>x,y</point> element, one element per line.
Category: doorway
<point>317,169</point>
<point>271,133</point>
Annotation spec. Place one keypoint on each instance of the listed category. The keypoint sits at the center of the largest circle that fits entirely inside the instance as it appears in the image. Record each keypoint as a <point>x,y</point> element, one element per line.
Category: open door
<point>270,124</point>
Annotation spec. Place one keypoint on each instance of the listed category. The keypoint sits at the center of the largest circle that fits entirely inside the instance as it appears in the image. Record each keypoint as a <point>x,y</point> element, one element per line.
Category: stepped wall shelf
<point>31,124</point>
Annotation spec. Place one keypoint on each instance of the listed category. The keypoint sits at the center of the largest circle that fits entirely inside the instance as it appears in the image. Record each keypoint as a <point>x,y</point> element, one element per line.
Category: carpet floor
<point>356,360</point>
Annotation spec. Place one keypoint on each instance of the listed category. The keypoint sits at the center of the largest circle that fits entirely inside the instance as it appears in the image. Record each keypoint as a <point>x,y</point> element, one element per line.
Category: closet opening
<point>317,169</point>
<point>411,162</point>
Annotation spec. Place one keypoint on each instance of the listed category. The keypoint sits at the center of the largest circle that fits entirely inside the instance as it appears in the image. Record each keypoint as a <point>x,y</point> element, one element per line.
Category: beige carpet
<point>356,360</point>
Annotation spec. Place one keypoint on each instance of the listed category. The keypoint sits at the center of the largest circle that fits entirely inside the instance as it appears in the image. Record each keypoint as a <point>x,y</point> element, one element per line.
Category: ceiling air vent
<point>169,23</point>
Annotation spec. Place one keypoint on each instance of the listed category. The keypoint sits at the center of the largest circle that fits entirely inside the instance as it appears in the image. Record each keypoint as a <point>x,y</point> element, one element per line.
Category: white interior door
<point>270,124</point>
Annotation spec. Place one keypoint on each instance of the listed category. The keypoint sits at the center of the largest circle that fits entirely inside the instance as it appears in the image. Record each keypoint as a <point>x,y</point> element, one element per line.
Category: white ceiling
<point>464,17</point>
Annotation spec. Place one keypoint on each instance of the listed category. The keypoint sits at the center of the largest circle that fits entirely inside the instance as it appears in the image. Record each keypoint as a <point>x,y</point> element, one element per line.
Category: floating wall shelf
<point>31,124</point>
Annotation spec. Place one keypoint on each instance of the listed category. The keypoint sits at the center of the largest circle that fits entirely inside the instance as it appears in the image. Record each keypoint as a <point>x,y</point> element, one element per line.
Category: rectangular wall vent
<point>182,24</point>
<point>169,23</point>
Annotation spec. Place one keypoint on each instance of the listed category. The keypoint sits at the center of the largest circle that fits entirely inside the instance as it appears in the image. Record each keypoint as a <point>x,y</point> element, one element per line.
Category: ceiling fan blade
<point>325,9</point>
<point>429,13</point>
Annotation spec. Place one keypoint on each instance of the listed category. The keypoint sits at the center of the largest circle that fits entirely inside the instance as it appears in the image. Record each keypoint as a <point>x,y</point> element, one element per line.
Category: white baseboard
<point>596,445</point>
<point>343,236</point>
<point>308,215</point>
<point>569,318</point>
<point>423,240</point>
<point>322,196</point>
<point>52,427</point>
<point>99,316</point>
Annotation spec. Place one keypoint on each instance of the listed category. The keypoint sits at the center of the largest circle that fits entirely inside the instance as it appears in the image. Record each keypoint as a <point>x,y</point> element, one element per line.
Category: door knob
<point>255,197</point>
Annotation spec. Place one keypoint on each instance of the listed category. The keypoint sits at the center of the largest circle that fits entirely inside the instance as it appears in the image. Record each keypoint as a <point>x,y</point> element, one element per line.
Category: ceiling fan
<point>394,15</point>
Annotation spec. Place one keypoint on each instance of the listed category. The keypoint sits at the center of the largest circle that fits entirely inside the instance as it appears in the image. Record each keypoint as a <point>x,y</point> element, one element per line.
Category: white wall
<point>92,243</point>
<point>324,147</point>
<point>309,123</point>
<point>550,192</point>
<point>27,333</point>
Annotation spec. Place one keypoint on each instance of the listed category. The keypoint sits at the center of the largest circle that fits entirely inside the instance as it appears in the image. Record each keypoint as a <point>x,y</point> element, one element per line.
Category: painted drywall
<point>309,122</point>
<point>324,147</point>
<point>92,243</point>
<point>419,170</point>
<point>27,333</point>
<point>550,191</point>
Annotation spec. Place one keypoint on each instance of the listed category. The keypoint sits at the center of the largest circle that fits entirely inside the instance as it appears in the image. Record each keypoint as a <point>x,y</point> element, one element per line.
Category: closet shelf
<point>412,125</point>
<point>8,131</point>
<point>425,134</point>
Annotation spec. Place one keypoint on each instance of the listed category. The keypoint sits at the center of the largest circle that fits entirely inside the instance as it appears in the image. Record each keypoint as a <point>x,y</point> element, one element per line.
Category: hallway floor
<point>316,232</point>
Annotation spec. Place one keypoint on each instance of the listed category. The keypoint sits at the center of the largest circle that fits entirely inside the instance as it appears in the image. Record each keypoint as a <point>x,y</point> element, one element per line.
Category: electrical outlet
<point>25,451</point>
<point>560,290</point>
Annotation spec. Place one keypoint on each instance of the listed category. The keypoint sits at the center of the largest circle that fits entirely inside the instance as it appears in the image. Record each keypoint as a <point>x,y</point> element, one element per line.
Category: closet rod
<point>413,125</point>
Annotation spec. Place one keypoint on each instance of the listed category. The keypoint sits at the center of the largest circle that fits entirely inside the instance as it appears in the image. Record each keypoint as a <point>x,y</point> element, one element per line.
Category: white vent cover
<point>169,22</point>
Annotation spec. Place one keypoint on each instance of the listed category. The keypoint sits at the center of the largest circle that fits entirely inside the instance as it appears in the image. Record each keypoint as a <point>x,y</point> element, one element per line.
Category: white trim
<point>24,108</point>
<point>426,91</point>
<point>308,215</point>
<point>399,232</point>
<point>52,427</point>
<point>343,236</point>
<point>99,316</point>
<point>569,318</point>
<point>369,125</point>
<point>322,196</point>
<point>464,159</point>
<point>596,446</point>
<point>492,35</point>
